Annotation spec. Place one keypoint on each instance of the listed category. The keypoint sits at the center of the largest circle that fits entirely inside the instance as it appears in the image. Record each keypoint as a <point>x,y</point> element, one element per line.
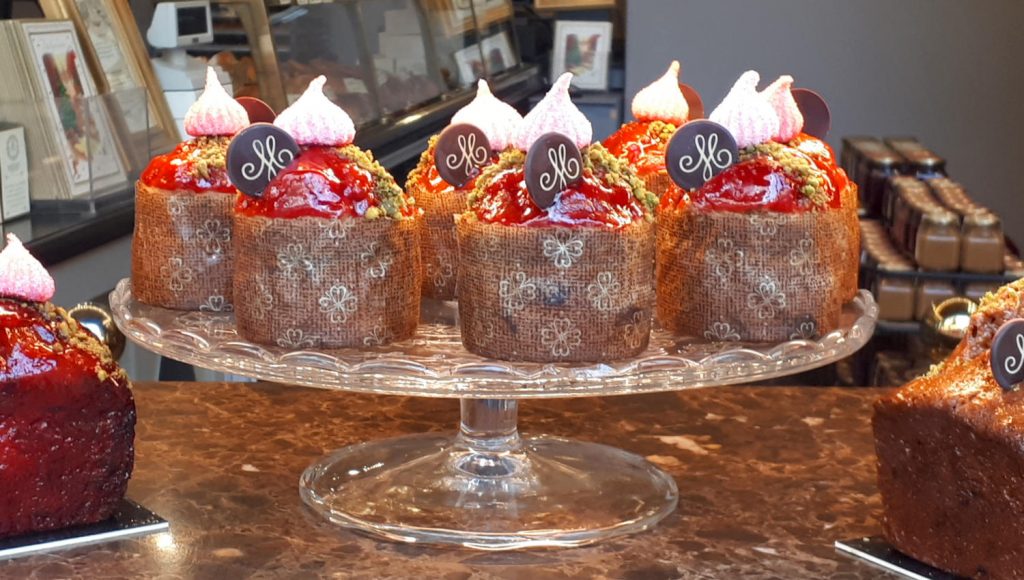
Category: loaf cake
<point>950,449</point>
<point>67,417</point>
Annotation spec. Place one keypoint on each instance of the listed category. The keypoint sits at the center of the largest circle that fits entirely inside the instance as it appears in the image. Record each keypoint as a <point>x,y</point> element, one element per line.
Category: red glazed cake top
<point>660,108</point>
<point>330,182</point>
<point>607,194</point>
<point>198,166</point>
<point>780,168</point>
<point>37,338</point>
<point>329,177</point>
<point>641,144</point>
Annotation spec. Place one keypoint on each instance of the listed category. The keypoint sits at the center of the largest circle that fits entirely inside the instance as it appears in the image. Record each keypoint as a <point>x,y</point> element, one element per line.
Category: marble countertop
<point>768,477</point>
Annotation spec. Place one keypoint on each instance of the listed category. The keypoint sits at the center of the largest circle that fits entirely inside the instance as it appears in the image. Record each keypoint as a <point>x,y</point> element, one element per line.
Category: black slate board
<point>879,553</point>
<point>130,520</point>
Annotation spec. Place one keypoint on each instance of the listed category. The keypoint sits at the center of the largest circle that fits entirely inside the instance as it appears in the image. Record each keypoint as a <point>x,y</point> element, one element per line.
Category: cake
<point>760,243</point>
<point>67,417</point>
<point>441,200</point>
<point>181,249</point>
<point>331,241</point>
<point>563,272</point>
<point>659,109</point>
<point>950,449</point>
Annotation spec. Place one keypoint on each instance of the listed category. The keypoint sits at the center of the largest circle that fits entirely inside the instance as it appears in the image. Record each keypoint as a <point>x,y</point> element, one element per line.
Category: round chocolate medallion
<point>460,152</point>
<point>257,154</point>
<point>553,163</point>
<point>258,111</point>
<point>693,101</point>
<point>817,117</point>
<point>698,151</point>
<point>1008,354</point>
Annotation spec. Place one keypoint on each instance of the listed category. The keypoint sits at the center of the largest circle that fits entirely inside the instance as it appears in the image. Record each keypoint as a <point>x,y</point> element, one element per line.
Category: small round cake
<point>67,417</point>
<point>331,255</point>
<point>767,249</point>
<point>659,109</point>
<point>441,200</point>
<point>566,277</point>
<point>181,249</point>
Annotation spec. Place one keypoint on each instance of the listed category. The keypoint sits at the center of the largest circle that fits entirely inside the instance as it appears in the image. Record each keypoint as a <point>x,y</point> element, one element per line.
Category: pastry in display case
<point>556,249</point>
<point>182,248</point>
<point>446,175</point>
<point>758,239</point>
<point>331,254</point>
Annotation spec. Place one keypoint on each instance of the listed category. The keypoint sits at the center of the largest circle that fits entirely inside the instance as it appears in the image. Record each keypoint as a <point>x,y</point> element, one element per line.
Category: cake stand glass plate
<point>486,488</point>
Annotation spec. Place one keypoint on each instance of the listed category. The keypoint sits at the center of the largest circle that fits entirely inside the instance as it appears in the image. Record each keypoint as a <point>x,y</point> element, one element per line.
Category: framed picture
<point>498,53</point>
<point>457,15</point>
<point>78,122</point>
<point>119,61</point>
<point>582,47</point>
<point>470,64</point>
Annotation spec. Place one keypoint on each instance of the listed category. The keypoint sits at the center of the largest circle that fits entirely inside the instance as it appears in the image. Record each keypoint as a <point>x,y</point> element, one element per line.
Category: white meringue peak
<point>314,120</point>
<point>498,120</point>
<point>746,113</point>
<point>215,113</point>
<point>555,113</point>
<point>791,120</point>
<point>662,100</point>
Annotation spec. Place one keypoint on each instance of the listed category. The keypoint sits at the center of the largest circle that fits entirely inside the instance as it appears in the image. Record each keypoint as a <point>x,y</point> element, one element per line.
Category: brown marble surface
<point>769,477</point>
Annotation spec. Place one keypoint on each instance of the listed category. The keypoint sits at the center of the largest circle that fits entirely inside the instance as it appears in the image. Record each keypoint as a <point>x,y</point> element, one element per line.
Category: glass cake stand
<point>487,487</point>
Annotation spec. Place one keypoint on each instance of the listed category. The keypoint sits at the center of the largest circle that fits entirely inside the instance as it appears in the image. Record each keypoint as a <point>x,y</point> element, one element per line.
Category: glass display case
<point>389,63</point>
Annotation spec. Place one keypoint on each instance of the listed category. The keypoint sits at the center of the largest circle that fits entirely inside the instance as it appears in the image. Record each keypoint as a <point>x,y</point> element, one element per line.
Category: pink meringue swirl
<point>791,120</point>
<point>21,275</point>
<point>314,120</point>
<point>498,120</point>
<point>215,113</point>
<point>746,113</point>
<point>662,100</point>
<point>555,113</point>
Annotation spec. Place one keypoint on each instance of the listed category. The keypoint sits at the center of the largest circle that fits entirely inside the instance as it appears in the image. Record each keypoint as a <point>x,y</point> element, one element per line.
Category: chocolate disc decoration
<point>817,117</point>
<point>460,152</point>
<point>1008,354</point>
<point>257,154</point>
<point>698,151</point>
<point>259,112</point>
<point>553,163</point>
<point>693,101</point>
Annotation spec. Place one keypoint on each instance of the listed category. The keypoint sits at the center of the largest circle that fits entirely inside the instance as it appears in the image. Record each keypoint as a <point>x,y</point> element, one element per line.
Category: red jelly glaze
<point>588,203</point>
<point>761,184</point>
<point>644,152</point>
<point>821,153</point>
<point>318,183</point>
<point>66,436</point>
<point>176,171</point>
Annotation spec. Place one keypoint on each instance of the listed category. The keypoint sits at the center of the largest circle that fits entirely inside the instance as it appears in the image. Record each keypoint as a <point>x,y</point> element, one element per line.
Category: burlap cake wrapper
<point>757,277</point>
<point>657,182</point>
<point>850,243</point>
<point>550,294</point>
<point>438,242</point>
<point>326,283</point>
<point>182,249</point>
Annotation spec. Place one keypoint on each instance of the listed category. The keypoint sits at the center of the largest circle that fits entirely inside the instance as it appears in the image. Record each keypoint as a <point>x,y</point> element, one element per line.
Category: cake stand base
<point>487,488</point>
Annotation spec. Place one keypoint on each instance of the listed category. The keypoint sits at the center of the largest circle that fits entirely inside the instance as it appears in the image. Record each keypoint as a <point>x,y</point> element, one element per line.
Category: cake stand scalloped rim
<point>433,363</point>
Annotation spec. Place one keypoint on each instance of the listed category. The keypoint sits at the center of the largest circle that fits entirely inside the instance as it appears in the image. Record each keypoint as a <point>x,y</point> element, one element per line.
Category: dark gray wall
<point>947,71</point>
